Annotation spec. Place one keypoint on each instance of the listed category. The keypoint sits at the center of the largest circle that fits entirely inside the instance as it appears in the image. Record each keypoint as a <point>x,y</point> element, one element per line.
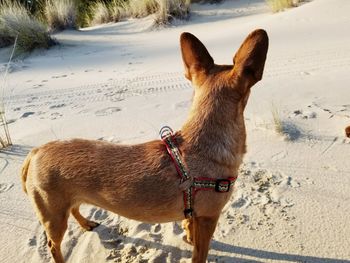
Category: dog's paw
<point>187,240</point>
<point>90,225</point>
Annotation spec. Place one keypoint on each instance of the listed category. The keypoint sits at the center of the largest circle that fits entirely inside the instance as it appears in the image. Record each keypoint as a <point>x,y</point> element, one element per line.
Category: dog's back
<point>81,171</point>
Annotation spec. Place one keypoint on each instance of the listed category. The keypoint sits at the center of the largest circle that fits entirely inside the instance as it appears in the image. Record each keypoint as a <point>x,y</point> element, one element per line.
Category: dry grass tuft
<point>163,10</point>
<point>6,139</point>
<point>169,9</point>
<point>117,10</point>
<point>280,5</point>
<point>287,129</point>
<point>277,120</point>
<point>102,13</point>
<point>137,8</point>
<point>60,14</point>
<point>16,22</point>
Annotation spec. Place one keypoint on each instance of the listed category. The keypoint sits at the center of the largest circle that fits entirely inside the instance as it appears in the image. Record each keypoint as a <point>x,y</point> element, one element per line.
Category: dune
<point>122,82</point>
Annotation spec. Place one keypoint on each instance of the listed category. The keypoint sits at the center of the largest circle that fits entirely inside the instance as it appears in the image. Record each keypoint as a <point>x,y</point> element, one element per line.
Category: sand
<point>122,82</point>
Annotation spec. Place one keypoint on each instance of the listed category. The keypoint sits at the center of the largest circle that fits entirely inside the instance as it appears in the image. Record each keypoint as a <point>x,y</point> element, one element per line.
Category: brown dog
<point>140,181</point>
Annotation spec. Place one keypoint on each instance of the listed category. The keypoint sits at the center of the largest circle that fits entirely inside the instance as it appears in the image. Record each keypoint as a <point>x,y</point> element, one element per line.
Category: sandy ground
<point>122,82</point>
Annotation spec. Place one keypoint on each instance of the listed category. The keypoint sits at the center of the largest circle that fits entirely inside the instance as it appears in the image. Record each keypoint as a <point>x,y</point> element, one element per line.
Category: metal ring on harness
<point>165,131</point>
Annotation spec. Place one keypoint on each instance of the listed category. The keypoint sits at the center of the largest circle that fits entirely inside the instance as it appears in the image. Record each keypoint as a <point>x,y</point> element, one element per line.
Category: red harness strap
<point>200,183</point>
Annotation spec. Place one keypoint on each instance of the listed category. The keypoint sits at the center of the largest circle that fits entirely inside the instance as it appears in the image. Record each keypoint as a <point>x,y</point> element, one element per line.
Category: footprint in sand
<point>304,114</point>
<point>305,73</point>
<point>27,114</point>
<point>142,227</point>
<point>107,111</point>
<point>128,254</point>
<point>155,229</point>
<point>42,247</point>
<point>32,242</point>
<point>59,76</point>
<point>279,156</point>
<point>155,233</point>
<point>260,191</point>
<point>4,187</point>
<point>11,121</point>
<point>57,106</point>
<point>55,115</point>
<point>31,99</point>
<point>183,104</point>
<point>99,214</point>
<point>177,229</point>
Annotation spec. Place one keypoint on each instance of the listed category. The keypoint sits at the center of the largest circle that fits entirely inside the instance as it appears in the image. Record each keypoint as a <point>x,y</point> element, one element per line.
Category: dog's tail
<point>25,168</point>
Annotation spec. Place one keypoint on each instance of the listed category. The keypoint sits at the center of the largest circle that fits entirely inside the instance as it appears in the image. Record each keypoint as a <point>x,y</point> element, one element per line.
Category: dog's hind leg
<point>53,214</point>
<point>203,230</point>
<point>83,222</point>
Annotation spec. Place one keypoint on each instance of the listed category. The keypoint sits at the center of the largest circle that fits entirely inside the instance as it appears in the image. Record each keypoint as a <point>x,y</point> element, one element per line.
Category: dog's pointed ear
<point>249,60</point>
<point>195,56</point>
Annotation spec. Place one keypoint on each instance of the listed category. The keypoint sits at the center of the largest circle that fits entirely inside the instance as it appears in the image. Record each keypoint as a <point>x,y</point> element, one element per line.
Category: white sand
<point>122,82</point>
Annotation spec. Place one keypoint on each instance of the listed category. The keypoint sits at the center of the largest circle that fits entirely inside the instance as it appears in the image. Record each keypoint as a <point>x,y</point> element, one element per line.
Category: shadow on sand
<point>112,240</point>
<point>16,150</point>
<point>13,152</point>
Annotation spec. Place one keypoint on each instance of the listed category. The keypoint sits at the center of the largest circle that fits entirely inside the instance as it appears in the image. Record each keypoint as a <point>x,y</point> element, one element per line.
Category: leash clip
<point>165,132</point>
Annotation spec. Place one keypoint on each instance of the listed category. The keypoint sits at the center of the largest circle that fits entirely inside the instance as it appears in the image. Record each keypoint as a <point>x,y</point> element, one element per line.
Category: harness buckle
<point>222,188</point>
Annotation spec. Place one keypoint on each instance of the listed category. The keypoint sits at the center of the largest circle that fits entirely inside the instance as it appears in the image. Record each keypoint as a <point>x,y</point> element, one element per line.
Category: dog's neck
<point>215,129</point>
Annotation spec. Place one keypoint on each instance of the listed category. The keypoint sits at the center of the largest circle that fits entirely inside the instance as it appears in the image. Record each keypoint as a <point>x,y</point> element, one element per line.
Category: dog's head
<point>234,80</point>
<point>221,93</point>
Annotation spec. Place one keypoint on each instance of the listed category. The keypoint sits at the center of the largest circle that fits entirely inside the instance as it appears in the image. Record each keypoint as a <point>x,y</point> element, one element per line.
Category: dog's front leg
<point>187,225</point>
<point>203,230</point>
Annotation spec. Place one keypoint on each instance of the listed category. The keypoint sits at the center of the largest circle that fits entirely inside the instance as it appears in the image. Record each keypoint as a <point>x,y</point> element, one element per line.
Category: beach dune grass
<point>101,12</point>
<point>172,9</point>
<point>16,22</point>
<point>280,5</point>
<point>163,10</point>
<point>60,14</point>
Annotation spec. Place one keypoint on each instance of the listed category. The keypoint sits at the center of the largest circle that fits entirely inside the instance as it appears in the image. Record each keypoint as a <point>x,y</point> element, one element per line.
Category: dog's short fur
<point>140,181</point>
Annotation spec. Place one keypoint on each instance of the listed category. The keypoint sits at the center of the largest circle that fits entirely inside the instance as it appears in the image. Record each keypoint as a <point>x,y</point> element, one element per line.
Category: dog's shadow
<point>111,239</point>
